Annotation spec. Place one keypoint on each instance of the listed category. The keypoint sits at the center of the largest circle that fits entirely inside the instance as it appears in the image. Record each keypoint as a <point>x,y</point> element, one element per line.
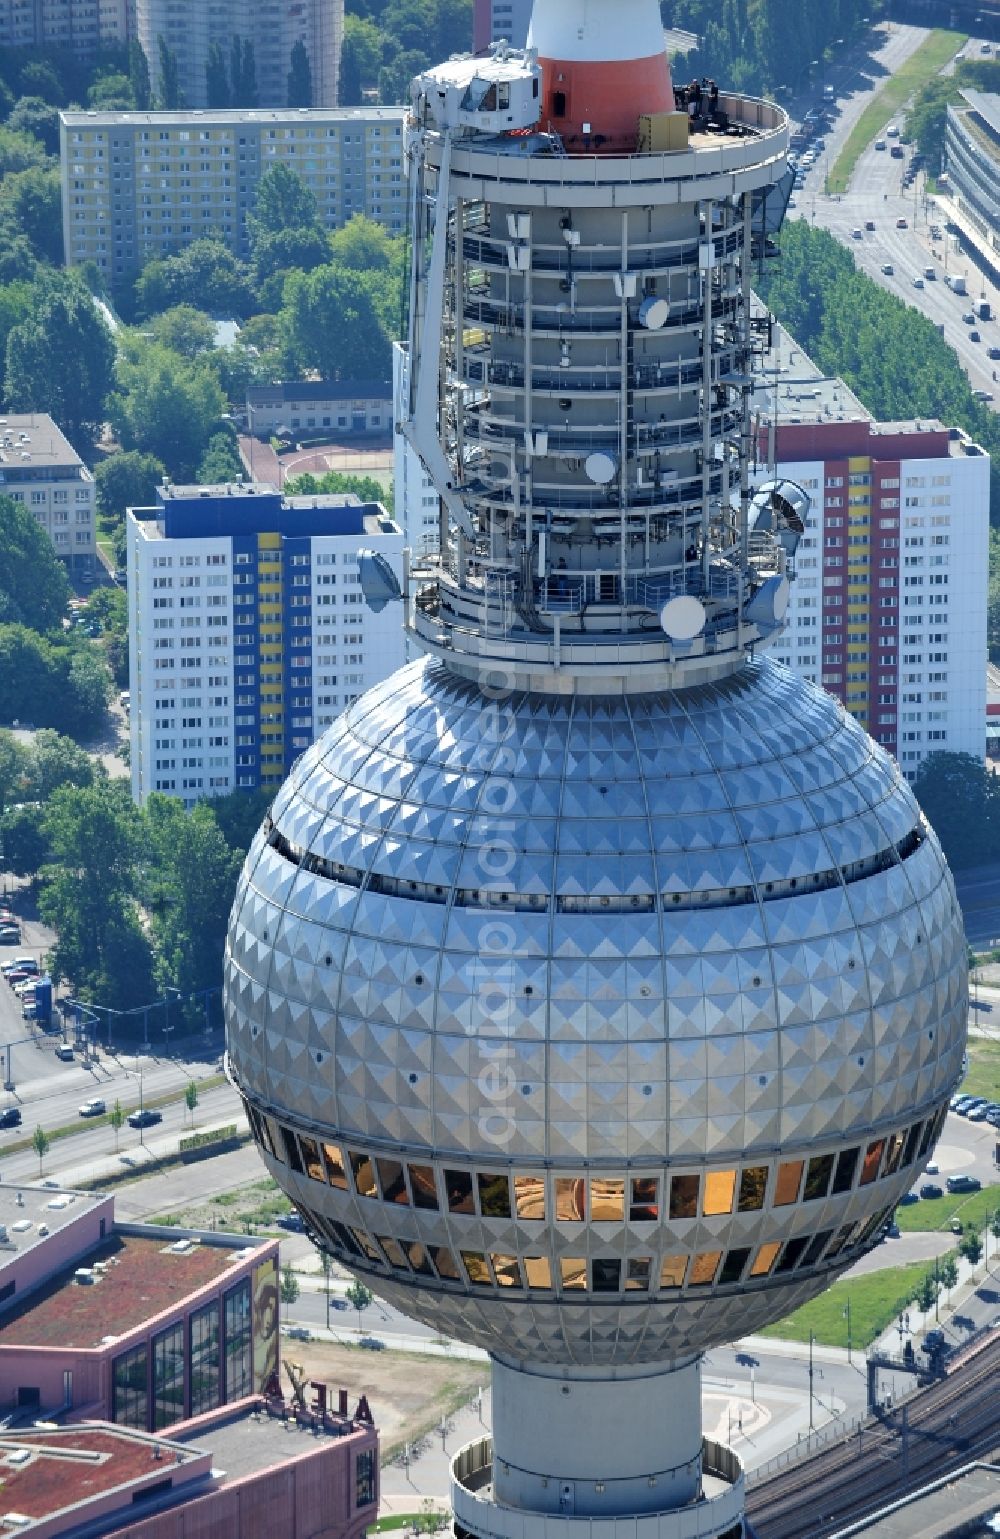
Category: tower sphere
<point>596,1029</point>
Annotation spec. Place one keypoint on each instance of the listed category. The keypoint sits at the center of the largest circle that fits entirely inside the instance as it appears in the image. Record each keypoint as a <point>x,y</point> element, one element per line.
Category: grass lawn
<point>973,1210</point>
<point>983,1077</point>
<point>876,1300</point>
<point>928,61</point>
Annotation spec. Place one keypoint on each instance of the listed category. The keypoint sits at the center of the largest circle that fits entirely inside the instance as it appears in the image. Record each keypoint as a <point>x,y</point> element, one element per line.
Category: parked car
<point>93,1108</point>
<point>974,336</point>
<point>901,224</point>
<point>964,1184</point>
<point>888,269</point>
<point>291,1221</point>
<point>931,1168</point>
<point>930,1190</point>
<point>17,975</point>
<point>146,1118</point>
<point>10,1117</point>
<point>908,1199</point>
<point>10,934</point>
<point>64,1051</point>
<point>977,1114</point>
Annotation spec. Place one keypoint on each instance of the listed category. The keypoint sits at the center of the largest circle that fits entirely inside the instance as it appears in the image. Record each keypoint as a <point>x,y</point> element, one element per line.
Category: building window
<point>168,1377</point>
<point>130,1398</point>
<point>205,1359</point>
<point>364,1478</point>
<point>239,1380</point>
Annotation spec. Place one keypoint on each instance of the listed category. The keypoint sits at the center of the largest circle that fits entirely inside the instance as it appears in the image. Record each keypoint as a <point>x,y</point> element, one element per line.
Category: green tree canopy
<point>166,406</point>
<point>365,246</point>
<point>138,74</point>
<point>18,151</point>
<point>217,77</point>
<point>221,461</point>
<point>127,480</point>
<point>333,481</point>
<point>961,799</point>
<point>331,323</point>
<point>196,875</point>
<point>205,275</point>
<point>300,86</point>
<point>60,358</point>
<point>32,115</point>
<point>169,92</point>
<point>111,92</point>
<point>283,202</point>
<point>184,329</point>
<point>30,203</point>
<point>33,586</point>
<point>57,761</point>
<point>52,683</point>
<point>25,847</point>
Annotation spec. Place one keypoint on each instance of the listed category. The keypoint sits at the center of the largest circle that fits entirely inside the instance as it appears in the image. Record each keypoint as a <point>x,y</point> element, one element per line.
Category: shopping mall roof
<point>29,1214</point>
<point>115,1287</point>
<point>47,1471</point>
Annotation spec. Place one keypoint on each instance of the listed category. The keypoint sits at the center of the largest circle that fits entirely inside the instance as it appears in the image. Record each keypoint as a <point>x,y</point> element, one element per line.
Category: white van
<point>64,1050</point>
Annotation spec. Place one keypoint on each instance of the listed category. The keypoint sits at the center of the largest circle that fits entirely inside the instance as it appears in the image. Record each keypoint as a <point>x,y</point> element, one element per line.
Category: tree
<point>191,1098</point>
<point>283,202</point>
<point>56,681</point>
<point>138,74</point>
<point>205,275</point>
<point>111,92</point>
<point>194,876</point>
<point>961,799</point>
<point>365,245</point>
<point>25,847</point>
<point>926,1294</point>
<point>948,1272</point>
<point>184,330</point>
<point>242,73</point>
<point>169,87</point>
<point>238,815</point>
<point>30,201</point>
<point>273,257</point>
<point>360,58</point>
<point>60,359</point>
<point>88,895</point>
<point>330,323</point>
<point>18,151</point>
<point>116,1117</point>
<point>39,78</point>
<point>58,761</point>
<point>32,115</point>
<point>40,1144</point>
<point>334,481</point>
<point>300,86</point>
<point>166,407</point>
<point>359,1297</point>
<point>289,1285</point>
<point>15,770</point>
<point>971,1247</point>
<point>33,586</point>
<point>216,77</point>
<point>221,461</point>
<point>127,480</point>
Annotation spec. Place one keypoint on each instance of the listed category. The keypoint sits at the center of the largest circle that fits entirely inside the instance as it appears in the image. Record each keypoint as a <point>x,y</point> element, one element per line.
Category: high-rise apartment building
<point>496,20</point>
<point>40,468</point>
<point>189,28</point>
<point>888,610</point>
<point>77,25</point>
<point>247,631</point>
<point>137,185</point>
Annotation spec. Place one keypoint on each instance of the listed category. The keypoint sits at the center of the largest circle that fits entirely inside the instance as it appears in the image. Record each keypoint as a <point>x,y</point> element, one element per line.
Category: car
<point>10,1117</point>
<point>953,1103</point>
<point>93,1108</point>
<point>888,269</point>
<point>993,1118</point>
<point>931,1168</point>
<point>29,1011</point>
<point>857,233</point>
<point>929,1190</point>
<point>901,224</point>
<point>968,319</point>
<point>880,144</point>
<point>792,203</point>
<point>298,1332</point>
<point>896,152</point>
<point>747,1360</point>
<point>146,1118</point>
<point>291,1221</point>
<point>983,395</point>
<point>964,1184</point>
<point>64,1052</point>
<point>955,1226</point>
<point>908,1199</point>
<point>869,224</point>
<point>17,975</point>
<point>993,352</point>
<point>974,336</point>
<point>977,1114</point>
<point>918,283</point>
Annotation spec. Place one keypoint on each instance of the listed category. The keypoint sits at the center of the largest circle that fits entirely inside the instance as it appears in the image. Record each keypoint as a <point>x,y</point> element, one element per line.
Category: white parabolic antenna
<point>601,468</point>
<point>683,618</point>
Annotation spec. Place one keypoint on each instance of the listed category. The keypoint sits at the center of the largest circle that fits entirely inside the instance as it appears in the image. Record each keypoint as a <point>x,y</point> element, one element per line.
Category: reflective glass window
<point>791,1253</point>
<point>416,1255</point>
<point>753,1185</point>
<point>816,1247</point>
<point>394,1251</point>
<point>847,1164</point>
<point>168,1377</point>
<point>238,1345</point>
<point>206,1362</point>
<point>335,1172</point>
<point>364,1174</point>
<point>645,1204</point>
<point>840,1240</point>
<point>445,1264</point>
<point>292,1156</point>
<point>494,1195</point>
<point>367,1245</point>
<point>571,1195</point>
<point>261,1130</point>
<point>364,1478</point>
<point>607,1199</point>
<point>910,1152</point>
<point>764,1259</point>
<point>894,1154</point>
<point>720,1188</point>
<point>928,1135</point>
<point>818,1178</point>
<point>872,1160</point>
<point>458,1185</point>
<point>529,1196</point>
<point>672,1269</point>
<point>422,1187</point>
<point>638,1274</point>
<point>786,1188</point>
<point>684,1197</point>
<point>506,1271</point>
<point>130,1398</point>
<point>704,1267</point>
<point>475,1265</point>
<point>274,1134</point>
<point>573,1270</point>
<point>390,1175</point>
<point>606,1274</point>
<point>538,1271</point>
<point>732,1267</point>
<point>311,1159</point>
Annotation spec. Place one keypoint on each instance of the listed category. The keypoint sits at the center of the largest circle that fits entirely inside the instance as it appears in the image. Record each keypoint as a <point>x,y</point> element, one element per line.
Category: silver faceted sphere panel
<point>596,1030</point>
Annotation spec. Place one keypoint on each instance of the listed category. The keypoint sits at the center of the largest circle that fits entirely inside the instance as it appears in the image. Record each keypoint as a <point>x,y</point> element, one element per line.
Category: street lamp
<point>847,1313</point>
<point>811,1421</point>
<point>167,1028</point>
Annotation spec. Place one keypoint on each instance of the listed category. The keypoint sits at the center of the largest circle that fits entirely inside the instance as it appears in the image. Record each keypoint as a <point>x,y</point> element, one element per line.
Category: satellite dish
<point>780,508</point>
<point>653,313</point>
<point>683,618</point>
<point>769,604</point>
<point>601,467</point>
<point>379,583</point>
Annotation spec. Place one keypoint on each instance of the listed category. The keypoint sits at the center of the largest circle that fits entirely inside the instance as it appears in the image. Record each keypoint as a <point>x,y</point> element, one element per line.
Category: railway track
<point>935,1431</point>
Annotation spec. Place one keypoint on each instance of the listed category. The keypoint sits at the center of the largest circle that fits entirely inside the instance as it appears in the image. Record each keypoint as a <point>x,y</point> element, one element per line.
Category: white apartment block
<point>417,505</point>
<point>248,633</point>
<point>41,469</point>
<point>78,25</point>
<point>888,608</point>
<point>190,27</point>
<point>138,185</point>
